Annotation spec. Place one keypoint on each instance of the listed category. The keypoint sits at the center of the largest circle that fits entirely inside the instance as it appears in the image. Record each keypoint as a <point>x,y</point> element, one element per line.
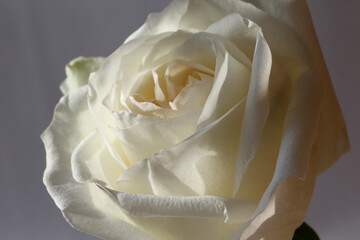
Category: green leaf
<point>305,232</point>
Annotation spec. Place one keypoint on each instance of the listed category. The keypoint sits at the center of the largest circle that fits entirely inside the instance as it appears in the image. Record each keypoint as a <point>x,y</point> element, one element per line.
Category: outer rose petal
<point>285,210</point>
<point>294,157</point>
<point>84,205</point>
<point>78,71</point>
<point>332,135</point>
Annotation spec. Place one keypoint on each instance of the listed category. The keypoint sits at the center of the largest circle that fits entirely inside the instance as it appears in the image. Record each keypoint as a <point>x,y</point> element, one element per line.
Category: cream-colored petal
<point>240,32</point>
<point>296,15</point>
<point>60,142</point>
<point>202,164</point>
<point>177,218</point>
<point>194,94</point>
<point>141,136</point>
<point>139,105</point>
<point>282,40</point>
<point>78,71</point>
<point>286,209</point>
<point>91,162</point>
<point>104,225</point>
<point>161,51</point>
<point>178,73</point>
<point>84,206</point>
<point>160,89</point>
<point>179,15</point>
<point>256,111</point>
<point>178,228</point>
<point>298,141</point>
<point>332,134</point>
<point>231,85</point>
<point>197,50</point>
<point>261,168</point>
<point>284,44</point>
<point>101,217</point>
<point>183,206</point>
<point>278,218</point>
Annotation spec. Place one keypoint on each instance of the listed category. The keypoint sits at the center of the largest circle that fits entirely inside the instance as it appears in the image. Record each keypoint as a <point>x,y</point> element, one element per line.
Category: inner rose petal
<point>231,85</point>
<point>160,52</point>
<point>162,91</point>
<point>194,94</point>
<point>150,134</point>
<point>177,76</point>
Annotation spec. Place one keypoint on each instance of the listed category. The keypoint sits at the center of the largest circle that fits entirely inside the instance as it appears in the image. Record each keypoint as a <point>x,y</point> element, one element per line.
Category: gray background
<point>37,39</point>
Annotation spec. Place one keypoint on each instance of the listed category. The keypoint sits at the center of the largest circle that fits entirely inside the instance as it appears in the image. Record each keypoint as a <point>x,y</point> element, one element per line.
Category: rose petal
<point>286,209</point>
<point>92,163</point>
<point>240,32</point>
<point>332,134</point>
<point>78,71</point>
<point>160,52</point>
<point>143,136</point>
<point>261,168</point>
<point>179,70</point>
<point>179,15</point>
<point>194,94</point>
<point>174,217</point>
<point>104,225</point>
<point>283,42</point>
<point>256,111</point>
<point>232,79</point>
<point>175,171</point>
<point>85,206</point>
<point>141,205</point>
<point>297,142</point>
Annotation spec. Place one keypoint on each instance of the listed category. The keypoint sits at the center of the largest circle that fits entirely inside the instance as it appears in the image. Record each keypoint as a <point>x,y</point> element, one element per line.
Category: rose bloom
<point>211,121</point>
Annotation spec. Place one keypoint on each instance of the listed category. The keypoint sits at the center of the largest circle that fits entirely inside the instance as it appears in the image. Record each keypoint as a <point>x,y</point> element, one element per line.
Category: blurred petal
<point>78,72</point>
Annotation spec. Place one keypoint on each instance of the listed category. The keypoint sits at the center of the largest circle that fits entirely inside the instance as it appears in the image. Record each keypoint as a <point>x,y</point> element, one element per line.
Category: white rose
<point>209,122</point>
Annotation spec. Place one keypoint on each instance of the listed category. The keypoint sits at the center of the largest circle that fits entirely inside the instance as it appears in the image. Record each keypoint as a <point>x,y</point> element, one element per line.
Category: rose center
<point>168,89</point>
